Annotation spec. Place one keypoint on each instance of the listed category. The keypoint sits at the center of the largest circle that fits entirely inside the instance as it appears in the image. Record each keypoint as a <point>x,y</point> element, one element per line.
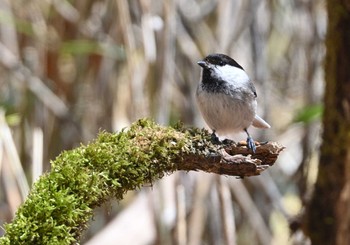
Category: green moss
<point>61,202</point>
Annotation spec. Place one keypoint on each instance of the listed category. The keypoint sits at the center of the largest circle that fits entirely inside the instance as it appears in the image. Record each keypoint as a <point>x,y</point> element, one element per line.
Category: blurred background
<point>71,68</point>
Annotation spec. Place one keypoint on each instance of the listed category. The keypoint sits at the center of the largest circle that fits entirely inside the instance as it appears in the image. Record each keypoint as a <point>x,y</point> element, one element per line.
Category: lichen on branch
<point>61,202</point>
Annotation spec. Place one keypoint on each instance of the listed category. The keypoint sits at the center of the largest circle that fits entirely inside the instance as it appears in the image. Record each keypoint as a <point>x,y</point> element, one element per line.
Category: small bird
<point>226,98</point>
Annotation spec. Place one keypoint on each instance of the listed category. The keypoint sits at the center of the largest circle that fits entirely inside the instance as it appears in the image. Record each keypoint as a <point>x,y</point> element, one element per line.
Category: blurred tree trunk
<point>328,216</point>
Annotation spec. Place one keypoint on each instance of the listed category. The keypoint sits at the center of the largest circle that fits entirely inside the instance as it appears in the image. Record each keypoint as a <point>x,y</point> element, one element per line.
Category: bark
<point>328,214</point>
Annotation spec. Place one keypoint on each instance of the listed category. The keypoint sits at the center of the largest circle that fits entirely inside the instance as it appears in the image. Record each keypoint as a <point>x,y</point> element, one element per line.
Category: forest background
<point>71,68</point>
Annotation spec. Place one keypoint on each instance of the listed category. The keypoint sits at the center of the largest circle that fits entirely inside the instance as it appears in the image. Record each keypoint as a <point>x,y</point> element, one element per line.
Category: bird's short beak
<point>202,63</point>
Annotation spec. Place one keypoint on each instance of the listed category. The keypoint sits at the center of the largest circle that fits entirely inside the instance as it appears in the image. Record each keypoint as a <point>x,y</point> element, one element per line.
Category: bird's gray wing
<point>252,88</point>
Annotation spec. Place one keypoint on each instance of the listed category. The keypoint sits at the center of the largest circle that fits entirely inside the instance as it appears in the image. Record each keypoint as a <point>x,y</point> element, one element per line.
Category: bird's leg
<point>250,142</point>
<point>215,138</point>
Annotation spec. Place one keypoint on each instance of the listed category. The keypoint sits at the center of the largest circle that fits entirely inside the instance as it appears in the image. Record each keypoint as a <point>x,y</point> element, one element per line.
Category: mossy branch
<point>61,202</point>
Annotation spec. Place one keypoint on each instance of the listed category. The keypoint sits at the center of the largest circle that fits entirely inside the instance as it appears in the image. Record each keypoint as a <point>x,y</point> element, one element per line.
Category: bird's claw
<point>251,144</point>
<point>215,139</point>
<point>227,142</point>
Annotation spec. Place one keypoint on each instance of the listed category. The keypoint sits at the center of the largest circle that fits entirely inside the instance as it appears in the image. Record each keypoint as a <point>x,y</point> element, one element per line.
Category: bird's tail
<point>258,122</point>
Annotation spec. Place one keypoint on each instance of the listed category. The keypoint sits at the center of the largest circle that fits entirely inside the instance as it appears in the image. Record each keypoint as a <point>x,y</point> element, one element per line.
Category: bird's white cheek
<point>231,74</point>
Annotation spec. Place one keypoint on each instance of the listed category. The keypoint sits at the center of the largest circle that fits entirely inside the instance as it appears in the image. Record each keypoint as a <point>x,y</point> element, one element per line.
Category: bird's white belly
<point>226,114</point>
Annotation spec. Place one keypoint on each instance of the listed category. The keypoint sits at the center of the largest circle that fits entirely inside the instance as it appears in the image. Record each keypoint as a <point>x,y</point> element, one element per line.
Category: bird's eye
<point>221,63</point>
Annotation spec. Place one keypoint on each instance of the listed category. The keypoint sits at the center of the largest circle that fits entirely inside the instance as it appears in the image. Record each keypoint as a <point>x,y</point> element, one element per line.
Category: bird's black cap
<point>218,59</point>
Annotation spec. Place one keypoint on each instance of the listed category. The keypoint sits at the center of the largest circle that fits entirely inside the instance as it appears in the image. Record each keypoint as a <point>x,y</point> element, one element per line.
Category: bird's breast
<point>226,113</point>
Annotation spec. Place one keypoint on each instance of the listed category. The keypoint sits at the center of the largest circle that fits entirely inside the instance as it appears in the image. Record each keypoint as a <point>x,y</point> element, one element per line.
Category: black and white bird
<point>227,98</point>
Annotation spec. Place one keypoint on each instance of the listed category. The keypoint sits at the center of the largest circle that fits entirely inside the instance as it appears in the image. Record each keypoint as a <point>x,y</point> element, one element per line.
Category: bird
<point>227,98</point>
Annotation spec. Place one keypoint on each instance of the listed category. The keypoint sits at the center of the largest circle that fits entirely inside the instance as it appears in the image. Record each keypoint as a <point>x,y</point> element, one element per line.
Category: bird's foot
<point>251,144</point>
<point>215,139</point>
<point>255,143</point>
<point>228,142</point>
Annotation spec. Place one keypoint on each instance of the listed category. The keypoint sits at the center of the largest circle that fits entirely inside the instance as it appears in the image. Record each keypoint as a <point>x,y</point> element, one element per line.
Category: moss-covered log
<point>61,202</point>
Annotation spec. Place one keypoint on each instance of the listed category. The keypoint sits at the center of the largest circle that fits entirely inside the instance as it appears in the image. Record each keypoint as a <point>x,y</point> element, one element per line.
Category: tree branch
<point>61,202</point>
<point>234,160</point>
